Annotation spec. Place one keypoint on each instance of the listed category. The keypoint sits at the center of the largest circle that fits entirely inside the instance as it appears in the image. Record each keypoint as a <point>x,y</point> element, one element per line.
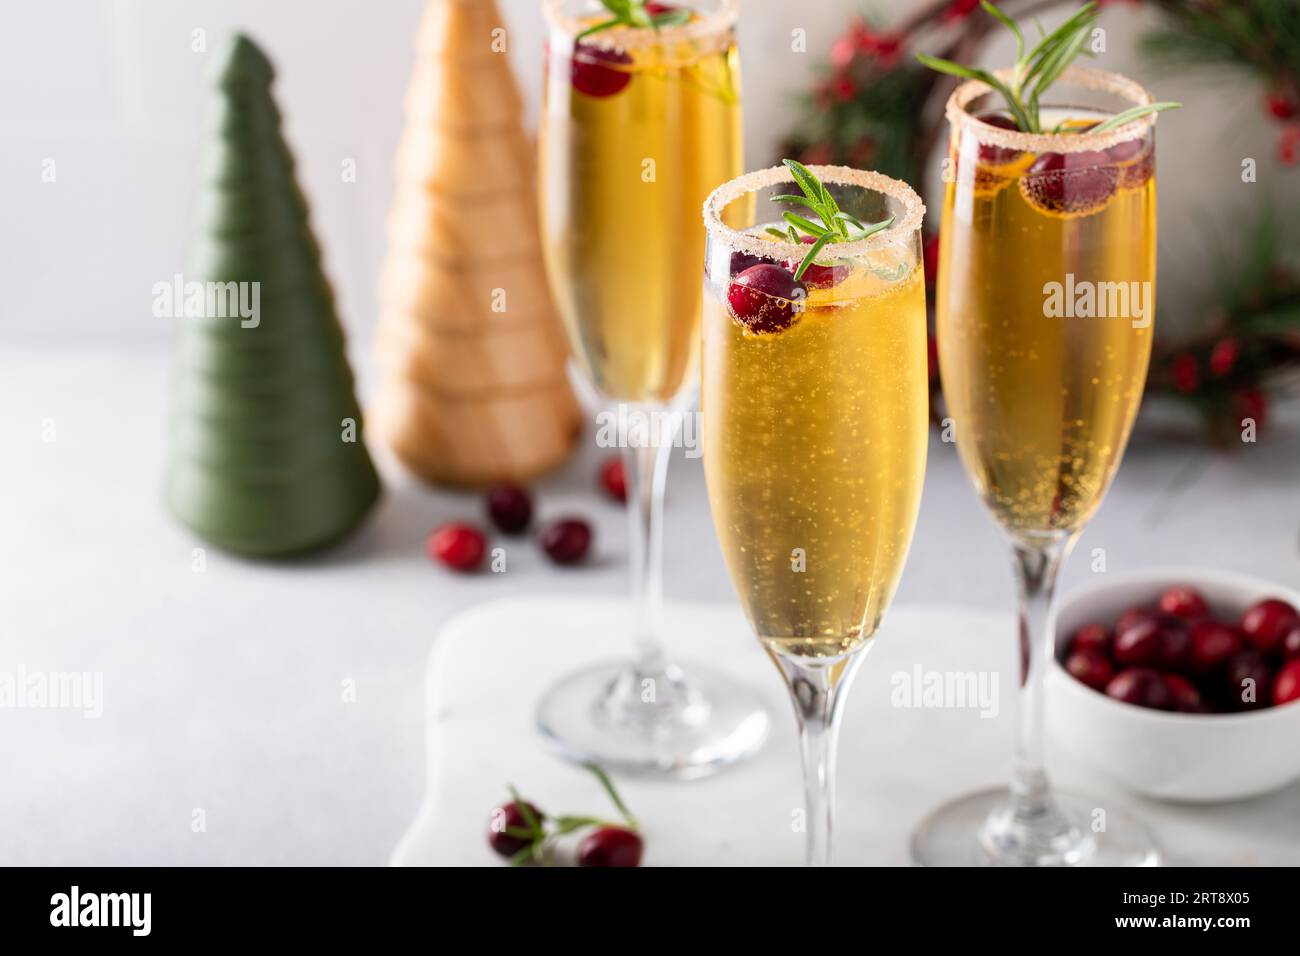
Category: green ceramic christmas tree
<point>266,457</point>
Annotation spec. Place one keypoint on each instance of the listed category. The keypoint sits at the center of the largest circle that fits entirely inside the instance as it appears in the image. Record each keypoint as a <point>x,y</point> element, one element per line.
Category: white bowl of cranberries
<point>1181,684</point>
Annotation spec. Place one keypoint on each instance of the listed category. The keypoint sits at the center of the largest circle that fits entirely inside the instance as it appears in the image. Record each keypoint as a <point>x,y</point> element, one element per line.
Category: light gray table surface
<point>225,691</point>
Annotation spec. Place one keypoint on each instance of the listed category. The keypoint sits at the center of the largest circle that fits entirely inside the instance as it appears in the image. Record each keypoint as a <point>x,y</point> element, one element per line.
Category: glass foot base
<point>978,830</point>
<point>652,723</point>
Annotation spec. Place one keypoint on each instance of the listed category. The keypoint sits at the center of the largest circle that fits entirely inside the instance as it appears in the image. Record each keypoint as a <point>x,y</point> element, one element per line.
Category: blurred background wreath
<point>874,105</point>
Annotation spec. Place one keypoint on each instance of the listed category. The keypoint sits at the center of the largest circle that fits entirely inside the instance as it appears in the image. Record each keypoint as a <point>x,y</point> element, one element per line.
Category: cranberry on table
<point>1091,637</point>
<point>613,478</point>
<point>1090,667</point>
<point>458,545</point>
<point>1141,686</point>
<point>591,76</point>
<point>1183,601</point>
<point>1185,696</point>
<point>1140,644</point>
<point>610,846</point>
<point>1249,680</point>
<point>510,508</point>
<point>510,816</point>
<point>1213,644</point>
<point>763,298</point>
<point>566,541</point>
<point>1265,623</point>
<point>1286,686</point>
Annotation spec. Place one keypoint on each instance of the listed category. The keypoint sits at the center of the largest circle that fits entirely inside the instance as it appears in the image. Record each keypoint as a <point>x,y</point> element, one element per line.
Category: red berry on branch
<point>1250,403</point>
<point>457,545</point>
<point>843,51</point>
<point>843,88</point>
<point>960,9</point>
<point>1280,103</point>
<point>818,154</point>
<point>1223,357</point>
<point>613,479</point>
<point>1288,145</point>
<point>1186,374</point>
<point>610,846</point>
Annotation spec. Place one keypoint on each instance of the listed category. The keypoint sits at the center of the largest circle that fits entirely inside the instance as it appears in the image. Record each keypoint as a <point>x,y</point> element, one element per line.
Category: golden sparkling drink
<point>1045,304</point>
<point>814,449</point>
<point>632,141</point>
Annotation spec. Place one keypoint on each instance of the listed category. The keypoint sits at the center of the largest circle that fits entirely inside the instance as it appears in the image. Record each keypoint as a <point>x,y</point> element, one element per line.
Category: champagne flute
<point>815,402</point>
<point>1045,302</point>
<point>638,123</point>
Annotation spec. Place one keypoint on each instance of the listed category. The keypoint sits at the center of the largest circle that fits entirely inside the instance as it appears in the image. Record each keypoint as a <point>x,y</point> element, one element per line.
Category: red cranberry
<point>819,276</point>
<point>1184,695</point>
<point>1280,104</point>
<point>566,541</point>
<point>1134,616</point>
<point>930,257</point>
<point>1249,680</point>
<point>1291,643</point>
<point>591,77</point>
<point>610,846</point>
<point>510,816</point>
<point>1286,686</point>
<point>1137,162</point>
<point>1224,356</point>
<point>1070,183</point>
<point>932,358</point>
<point>1213,643</point>
<point>1091,668</point>
<point>614,479</point>
<point>997,155</point>
<point>1091,637</point>
<point>764,298</point>
<point>1175,645</point>
<point>1183,601</point>
<point>510,508</point>
<point>1140,645</point>
<point>740,261</point>
<point>459,546</point>
<point>1141,686</point>
<point>1267,622</point>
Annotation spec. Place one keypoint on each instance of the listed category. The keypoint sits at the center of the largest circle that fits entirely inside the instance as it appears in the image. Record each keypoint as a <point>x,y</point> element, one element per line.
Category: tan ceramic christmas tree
<point>474,389</point>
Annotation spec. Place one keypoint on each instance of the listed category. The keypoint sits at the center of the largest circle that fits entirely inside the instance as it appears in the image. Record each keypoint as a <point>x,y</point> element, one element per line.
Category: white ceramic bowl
<point>1195,758</point>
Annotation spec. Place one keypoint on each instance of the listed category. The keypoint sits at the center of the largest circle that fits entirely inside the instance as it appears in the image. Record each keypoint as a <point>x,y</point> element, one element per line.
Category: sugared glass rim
<point>1079,76</point>
<point>901,233</point>
<point>631,38</point>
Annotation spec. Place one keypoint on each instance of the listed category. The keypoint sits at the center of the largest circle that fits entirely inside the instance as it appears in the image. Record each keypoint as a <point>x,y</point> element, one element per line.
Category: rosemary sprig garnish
<point>633,13</point>
<point>1036,70</point>
<point>834,225</point>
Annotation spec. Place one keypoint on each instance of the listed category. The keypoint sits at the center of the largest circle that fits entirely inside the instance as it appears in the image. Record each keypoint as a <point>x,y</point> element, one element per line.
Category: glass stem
<point>1037,563</point>
<point>646,468</point>
<point>817,688</point>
